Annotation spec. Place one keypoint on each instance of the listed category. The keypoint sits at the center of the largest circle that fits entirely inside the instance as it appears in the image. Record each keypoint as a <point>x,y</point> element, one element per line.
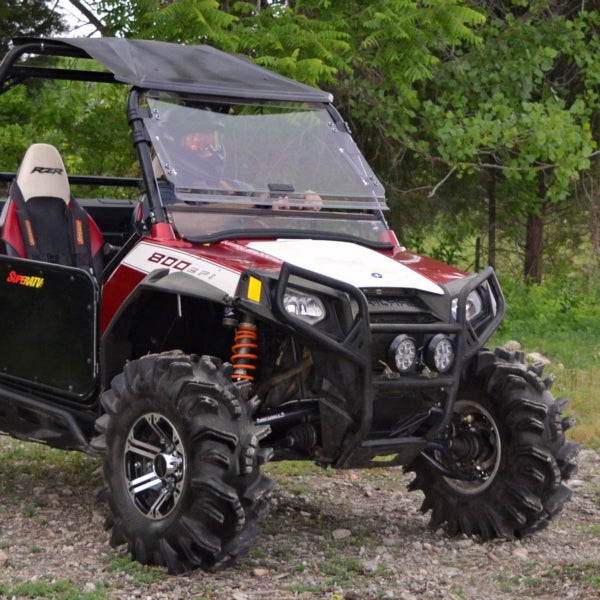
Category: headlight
<point>440,353</point>
<point>304,306</point>
<point>474,306</point>
<point>403,352</point>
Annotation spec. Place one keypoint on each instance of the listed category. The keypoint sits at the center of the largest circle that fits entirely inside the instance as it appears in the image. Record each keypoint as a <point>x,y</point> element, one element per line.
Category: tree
<point>519,106</point>
<point>35,17</point>
<point>486,107</point>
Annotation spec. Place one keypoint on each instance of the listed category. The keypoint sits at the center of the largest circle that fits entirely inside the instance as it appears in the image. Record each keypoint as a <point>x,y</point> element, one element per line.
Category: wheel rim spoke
<point>155,509</point>
<point>145,482</point>
<point>155,423</point>
<point>142,448</point>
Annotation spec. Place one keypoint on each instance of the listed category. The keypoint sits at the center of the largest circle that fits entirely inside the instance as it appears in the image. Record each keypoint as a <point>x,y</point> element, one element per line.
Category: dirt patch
<point>350,535</point>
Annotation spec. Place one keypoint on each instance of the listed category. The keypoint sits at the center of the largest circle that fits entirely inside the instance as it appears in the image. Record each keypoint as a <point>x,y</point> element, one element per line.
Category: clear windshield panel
<point>260,156</point>
<point>209,222</point>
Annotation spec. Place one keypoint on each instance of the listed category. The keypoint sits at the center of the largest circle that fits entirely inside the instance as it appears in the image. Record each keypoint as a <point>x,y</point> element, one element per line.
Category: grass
<point>341,570</point>
<point>587,574</point>
<point>62,590</point>
<point>561,320</point>
<point>137,573</point>
<point>531,580</point>
<point>581,386</point>
<point>37,460</point>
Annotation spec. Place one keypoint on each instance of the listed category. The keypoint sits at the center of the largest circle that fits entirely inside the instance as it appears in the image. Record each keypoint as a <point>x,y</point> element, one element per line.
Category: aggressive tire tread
<point>214,520</point>
<point>527,490</point>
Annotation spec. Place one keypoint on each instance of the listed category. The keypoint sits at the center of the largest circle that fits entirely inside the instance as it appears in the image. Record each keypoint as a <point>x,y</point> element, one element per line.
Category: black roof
<point>198,69</point>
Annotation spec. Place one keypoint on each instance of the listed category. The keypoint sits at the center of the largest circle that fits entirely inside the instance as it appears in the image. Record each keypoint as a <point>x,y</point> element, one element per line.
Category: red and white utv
<point>249,303</point>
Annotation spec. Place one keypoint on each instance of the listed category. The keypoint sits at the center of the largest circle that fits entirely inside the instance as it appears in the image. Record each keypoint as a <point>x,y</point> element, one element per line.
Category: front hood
<point>222,264</point>
<point>359,266</point>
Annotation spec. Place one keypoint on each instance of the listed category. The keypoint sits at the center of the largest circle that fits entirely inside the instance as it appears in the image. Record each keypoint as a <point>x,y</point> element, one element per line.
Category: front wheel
<point>507,440</point>
<point>181,463</point>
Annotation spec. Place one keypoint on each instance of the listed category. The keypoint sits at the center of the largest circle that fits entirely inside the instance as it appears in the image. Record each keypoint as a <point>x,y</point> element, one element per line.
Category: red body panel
<point>434,270</point>
<point>222,263</point>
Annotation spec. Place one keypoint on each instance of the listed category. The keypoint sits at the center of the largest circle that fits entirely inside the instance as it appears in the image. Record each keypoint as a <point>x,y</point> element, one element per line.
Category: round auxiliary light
<point>403,352</point>
<point>440,353</point>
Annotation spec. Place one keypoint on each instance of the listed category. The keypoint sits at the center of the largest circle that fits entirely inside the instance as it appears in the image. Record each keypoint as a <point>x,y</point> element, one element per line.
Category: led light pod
<point>403,353</point>
<point>440,353</point>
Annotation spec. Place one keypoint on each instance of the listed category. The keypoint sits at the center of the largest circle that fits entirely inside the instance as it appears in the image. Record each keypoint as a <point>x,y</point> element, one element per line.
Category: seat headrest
<point>42,173</point>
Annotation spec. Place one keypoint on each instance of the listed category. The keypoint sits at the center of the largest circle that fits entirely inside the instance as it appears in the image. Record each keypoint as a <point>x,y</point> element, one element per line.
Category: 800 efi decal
<point>146,257</point>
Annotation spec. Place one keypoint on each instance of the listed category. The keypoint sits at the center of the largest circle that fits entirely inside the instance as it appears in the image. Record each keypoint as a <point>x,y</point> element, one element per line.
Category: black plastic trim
<point>22,400</point>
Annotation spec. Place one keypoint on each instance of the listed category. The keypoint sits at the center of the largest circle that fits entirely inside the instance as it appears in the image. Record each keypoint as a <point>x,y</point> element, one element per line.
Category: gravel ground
<point>351,535</point>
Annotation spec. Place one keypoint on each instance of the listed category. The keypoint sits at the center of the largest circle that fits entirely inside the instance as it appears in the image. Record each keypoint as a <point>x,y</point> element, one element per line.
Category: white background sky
<point>76,22</point>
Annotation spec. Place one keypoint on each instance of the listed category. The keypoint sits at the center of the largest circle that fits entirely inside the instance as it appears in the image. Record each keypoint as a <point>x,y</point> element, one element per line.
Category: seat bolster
<point>96,247</point>
<point>11,232</point>
<point>96,237</point>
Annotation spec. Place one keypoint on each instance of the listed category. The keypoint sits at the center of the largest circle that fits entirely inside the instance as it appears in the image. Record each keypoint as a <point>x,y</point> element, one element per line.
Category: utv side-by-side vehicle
<point>248,303</point>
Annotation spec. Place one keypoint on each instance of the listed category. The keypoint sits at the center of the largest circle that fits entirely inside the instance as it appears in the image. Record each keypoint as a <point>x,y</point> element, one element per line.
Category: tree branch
<point>89,15</point>
<point>440,183</point>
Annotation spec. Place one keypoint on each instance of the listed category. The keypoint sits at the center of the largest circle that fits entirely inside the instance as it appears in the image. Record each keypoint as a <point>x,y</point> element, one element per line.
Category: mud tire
<point>178,422</point>
<point>527,456</point>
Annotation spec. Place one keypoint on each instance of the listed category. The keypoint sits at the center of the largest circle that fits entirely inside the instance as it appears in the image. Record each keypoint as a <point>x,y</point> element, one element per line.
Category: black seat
<point>43,221</point>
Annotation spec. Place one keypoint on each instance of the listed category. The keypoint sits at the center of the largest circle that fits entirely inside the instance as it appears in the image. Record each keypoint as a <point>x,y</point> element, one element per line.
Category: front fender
<point>144,323</point>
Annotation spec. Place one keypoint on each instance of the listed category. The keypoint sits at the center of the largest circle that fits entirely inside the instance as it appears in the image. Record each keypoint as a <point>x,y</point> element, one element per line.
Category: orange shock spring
<point>244,352</point>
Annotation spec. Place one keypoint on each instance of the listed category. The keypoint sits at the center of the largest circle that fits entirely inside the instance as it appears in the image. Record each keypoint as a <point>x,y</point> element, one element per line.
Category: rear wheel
<point>181,463</point>
<point>507,438</point>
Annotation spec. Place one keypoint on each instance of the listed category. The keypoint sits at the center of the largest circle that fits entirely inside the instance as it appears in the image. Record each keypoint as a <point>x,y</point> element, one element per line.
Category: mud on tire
<point>181,463</point>
<point>511,431</point>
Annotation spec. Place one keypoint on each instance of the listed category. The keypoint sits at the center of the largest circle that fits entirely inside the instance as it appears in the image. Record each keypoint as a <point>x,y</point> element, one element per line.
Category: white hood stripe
<point>354,264</point>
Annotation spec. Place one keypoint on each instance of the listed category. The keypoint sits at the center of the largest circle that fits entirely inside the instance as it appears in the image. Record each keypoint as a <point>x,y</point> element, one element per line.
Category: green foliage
<point>560,319</point>
<point>309,50</point>
<point>31,18</point>
<point>512,114</point>
<point>197,21</point>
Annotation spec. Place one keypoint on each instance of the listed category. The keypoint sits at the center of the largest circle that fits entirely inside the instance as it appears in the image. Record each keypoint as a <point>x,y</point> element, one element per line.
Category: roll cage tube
<point>12,75</point>
<point>139,136</point>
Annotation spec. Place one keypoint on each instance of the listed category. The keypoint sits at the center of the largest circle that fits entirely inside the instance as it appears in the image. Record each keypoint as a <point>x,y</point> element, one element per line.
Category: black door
<point>48,325</point>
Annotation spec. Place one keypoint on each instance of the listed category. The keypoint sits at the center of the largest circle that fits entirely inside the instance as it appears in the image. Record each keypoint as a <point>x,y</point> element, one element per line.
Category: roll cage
<point>189,74</point>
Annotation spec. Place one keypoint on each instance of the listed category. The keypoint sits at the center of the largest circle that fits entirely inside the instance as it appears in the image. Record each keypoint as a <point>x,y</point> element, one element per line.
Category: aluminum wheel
<point>477,447</point>
<point>155,466</point>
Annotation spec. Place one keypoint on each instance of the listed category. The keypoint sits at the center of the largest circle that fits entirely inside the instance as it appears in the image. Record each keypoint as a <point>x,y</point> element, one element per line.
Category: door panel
<point>48,325</point>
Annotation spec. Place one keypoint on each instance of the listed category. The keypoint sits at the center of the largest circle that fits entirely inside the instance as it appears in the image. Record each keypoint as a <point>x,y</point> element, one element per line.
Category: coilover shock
<point>244,351</point>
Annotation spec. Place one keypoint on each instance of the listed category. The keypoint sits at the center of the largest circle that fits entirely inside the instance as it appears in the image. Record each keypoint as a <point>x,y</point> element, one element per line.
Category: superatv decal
<point>147,257</point>
<point>26,280</point>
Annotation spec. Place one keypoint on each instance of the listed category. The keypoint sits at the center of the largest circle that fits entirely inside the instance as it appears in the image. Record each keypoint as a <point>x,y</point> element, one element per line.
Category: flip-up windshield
<point>278,155</point>
<point>264,151</point>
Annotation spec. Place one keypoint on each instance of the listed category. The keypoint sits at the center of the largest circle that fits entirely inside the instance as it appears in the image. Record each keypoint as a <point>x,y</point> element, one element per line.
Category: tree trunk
<point>534,245</point>
<point>491,194</point>
<point>534,242</point>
